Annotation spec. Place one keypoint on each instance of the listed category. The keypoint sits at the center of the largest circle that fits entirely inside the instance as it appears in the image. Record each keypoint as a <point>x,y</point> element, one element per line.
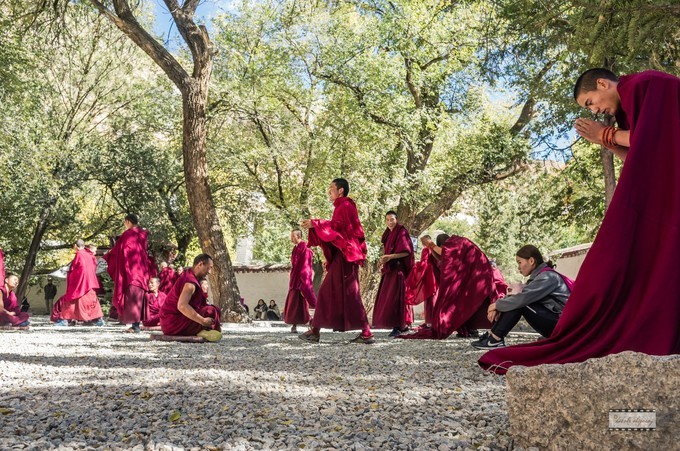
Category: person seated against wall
<point>273,313</point>
<point>541,301</point>
<point>260,309</point>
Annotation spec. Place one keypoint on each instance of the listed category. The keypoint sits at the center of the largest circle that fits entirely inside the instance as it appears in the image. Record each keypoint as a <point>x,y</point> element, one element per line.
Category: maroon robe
<point>173,322</point>
<point>80,300</point>
<point>10,303</point>
<point>341,239</point>
<point>422,284</point>
<point>391,310</point>
<point>167,279</point>
<point>128,266</point>
<point>466,288</point>
<point>625,296</point>
<point>2,268</point>
<point>300,286</point>
<point>153,305</point>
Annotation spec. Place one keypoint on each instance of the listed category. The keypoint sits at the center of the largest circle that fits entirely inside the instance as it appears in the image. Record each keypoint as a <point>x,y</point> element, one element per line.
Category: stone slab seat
<point>568,406</point>
<point>150,328</point>
<point>15,327</point>
<point>183,339</point>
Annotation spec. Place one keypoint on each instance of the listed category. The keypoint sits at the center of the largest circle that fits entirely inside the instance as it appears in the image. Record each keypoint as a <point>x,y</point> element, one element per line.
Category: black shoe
<point>486,341</point>
<point>361,339</point>
<point>310,337</point>
<point>394,332</point>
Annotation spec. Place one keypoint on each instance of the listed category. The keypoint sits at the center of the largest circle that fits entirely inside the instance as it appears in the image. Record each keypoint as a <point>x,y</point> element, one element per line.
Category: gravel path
<point>259,388</point>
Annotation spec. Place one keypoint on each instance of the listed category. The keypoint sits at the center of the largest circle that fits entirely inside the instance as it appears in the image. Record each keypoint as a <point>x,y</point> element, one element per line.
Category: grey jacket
<point>546,287</point>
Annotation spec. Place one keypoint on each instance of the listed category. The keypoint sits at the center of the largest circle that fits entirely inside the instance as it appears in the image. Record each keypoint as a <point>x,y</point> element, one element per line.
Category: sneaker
<point>24,324</point>
<point>132,330</point>
<point>293,330</point>
<point>310,337</point>
<point>210,335</point>
<point>486,341</point>
<point>61,323</point>
<point>361,339</point>
<point>73,323</point>
<point>99,323</point>
<point>395,332</point>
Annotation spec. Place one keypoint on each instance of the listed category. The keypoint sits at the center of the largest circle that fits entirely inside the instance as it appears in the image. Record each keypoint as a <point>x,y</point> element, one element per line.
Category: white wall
<point>265,285</point>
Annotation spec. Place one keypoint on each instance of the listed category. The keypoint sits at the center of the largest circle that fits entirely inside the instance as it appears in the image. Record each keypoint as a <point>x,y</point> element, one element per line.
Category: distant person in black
<point>50,294</point>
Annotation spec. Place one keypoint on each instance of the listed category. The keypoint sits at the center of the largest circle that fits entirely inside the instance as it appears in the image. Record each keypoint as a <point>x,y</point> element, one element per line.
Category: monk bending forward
<point>185,311</point>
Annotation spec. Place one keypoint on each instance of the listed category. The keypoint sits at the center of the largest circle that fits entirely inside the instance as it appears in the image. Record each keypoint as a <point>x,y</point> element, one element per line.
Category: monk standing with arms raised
<point>339,305</point>
<point>128,266</point>
<point>80,302</point>
<point>300,287</point>
<point>185,311</point>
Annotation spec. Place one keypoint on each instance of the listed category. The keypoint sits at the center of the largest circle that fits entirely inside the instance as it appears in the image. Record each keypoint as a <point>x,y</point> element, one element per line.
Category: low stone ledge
<point>568,406</point>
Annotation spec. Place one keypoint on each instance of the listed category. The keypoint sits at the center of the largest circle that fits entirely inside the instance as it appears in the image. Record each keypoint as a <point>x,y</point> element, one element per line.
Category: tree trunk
<point>40,229</point>
<point>203,212</point>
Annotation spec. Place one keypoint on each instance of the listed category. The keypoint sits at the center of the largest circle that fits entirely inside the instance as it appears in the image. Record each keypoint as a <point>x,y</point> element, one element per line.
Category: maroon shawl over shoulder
<point>466,283</point>
<point>128,264</point>
<point>344,231</point>
<point>390,308</point>
<point>624,298</point>
<point>80,301</point>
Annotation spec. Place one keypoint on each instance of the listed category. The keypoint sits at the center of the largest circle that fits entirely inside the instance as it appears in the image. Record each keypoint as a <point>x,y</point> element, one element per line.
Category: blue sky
<point>207,9</point>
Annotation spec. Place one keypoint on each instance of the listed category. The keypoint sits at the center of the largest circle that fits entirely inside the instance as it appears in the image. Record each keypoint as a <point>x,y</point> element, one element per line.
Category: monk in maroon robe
<point>154,302</point>
<point>80,302</point>
<point>465,291</point>
<point>185,311</point>
<point>421,285</point>
<point>10,310</point>
<point>391,310</point>
<point>341,239</point>
<point>167,278</point>
<point>128,266</point>
<point>624,298</point>
<point>300,287</point>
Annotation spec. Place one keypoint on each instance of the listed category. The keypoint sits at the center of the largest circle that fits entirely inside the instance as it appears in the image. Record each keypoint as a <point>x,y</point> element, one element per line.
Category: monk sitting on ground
<point>185,311</point>
<point>154,301</point>
<point>10,310</point>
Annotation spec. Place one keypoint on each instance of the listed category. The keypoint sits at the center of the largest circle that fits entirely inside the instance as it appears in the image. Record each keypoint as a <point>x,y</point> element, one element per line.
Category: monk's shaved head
<point>297,232</point>
<point>588,80</point>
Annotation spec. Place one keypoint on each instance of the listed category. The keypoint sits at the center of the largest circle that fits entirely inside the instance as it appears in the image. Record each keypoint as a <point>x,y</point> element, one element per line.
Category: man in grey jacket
<point>541,303</point>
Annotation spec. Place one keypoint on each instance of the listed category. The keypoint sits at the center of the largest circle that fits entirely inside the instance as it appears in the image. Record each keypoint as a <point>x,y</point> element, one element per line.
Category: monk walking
<point>128,266</point>
<point>390,310</point>
<point>300,287</point>
<point>185,311</point>
<point>339,305</point>
<point>623,298</point>
<point>80,302</point>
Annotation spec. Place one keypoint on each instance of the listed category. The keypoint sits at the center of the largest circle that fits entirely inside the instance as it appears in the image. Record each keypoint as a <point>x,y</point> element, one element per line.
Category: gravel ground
<point>259,388</point>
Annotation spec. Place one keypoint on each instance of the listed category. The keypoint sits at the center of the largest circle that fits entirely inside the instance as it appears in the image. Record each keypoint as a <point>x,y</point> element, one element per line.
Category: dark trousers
<point>537,315</point>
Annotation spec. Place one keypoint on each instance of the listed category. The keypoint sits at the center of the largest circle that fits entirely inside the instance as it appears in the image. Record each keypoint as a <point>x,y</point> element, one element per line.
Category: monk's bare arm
<point>387,257</point>
<point>187,310</point>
